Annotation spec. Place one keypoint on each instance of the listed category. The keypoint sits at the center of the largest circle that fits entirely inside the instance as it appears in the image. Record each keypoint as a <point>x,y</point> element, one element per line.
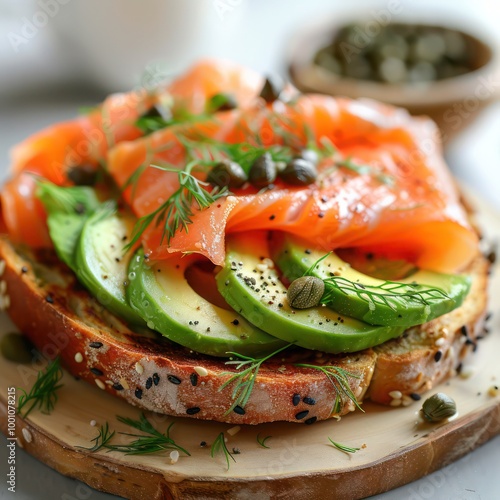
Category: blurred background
<point>57,56</point>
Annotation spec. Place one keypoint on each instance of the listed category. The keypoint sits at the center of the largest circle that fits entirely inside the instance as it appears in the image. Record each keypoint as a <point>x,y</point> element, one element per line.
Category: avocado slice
<point>161,294</point>
<point>100,262</point>
<point>254,289</point>
<point>414,300</point>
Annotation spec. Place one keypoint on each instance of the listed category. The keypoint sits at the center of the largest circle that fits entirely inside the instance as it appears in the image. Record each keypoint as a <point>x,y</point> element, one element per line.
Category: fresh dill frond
<point>362,169</point>
<point>152,441</point>
<point>339,378</point>
<point>262,441</point>
<point>219,445</point>
<point>342,447</point>
<point>43,394</point>
<point>102,439</point>
<point>244,381</point>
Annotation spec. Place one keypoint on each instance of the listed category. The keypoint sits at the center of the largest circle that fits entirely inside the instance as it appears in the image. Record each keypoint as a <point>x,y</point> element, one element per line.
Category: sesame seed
<point>193,411</point>
<point>203,444</point>
<point>438,356</point>
<point>138,393</point>
<point>309,401</point>
<point>201,371</point>
<point>173,379</point>
<point>234,430</point>
<point>124,384</point>
<point>239,410</point>
<point>406,401</point>
<point>302,414</point>
<point>24,270</point>
<point>93,423</point>
<point>149,383</point>
<point>95,345</point>
<point>139,368</point>
<point>78,357</point>
<point>194,379</point>
<point>415,396</point>
<point>97,372</point>
<point>117,387</point>
<point>2,267</point>
<point>100,383</point>
<point>156,379</point>
<point>49,299</point>
<point>28,437</point>
<point>296,399</point>
<point>396,394</point>
<point>395,402</point>
<point>174,456</point>
<point>439,342</point>
<point>311,420</point>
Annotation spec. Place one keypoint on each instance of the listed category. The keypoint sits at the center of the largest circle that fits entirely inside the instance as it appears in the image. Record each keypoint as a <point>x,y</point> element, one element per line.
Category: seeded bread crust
<point>46,303</point>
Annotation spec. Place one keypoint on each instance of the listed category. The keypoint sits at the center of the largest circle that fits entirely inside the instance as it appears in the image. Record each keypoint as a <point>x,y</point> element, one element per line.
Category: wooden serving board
<point>396,446</point>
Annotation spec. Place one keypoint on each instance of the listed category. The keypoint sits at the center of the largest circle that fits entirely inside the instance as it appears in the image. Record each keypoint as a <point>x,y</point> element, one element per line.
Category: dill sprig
<point>342,447</point>
<point>152,441</point>
<point>219,445</point>
<point>43,394</point>
<point>339,378</point>
<point>262,441</point>
<point>381,176</point>
<point>102,439</point>
<point>177,211</point>
<point>244,380</point>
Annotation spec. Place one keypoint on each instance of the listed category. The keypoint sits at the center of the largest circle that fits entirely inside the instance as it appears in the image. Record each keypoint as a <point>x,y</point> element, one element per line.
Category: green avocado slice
<point>414,300</point>
<point>161,294</point>
<point>254,289</point>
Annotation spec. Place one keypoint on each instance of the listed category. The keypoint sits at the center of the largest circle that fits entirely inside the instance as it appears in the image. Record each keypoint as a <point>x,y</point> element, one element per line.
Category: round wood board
<point>396,447</point>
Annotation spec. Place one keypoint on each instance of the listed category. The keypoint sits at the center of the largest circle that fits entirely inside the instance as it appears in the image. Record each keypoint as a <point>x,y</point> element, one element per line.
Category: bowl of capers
<point>443,72</point>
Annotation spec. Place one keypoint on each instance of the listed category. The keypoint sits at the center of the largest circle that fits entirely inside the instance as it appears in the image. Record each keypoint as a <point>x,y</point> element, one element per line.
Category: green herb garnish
<point>262,441</point>
<point>341,447</point>
<point>102,439</point>
<point>366,169</point>
<point>244,381</point>
<point>43,394</point>
<point>339,378</point>
<point>219,445</point>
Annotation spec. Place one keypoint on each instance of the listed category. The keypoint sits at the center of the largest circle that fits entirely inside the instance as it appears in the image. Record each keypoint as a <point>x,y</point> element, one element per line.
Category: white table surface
<point>474,158</point>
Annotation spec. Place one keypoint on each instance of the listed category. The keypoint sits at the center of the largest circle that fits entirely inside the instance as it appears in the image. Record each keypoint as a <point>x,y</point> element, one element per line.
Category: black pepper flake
<point>438,356</point>
<point>96,372</point>
<point>465,331</point>
<point>272,217</point>
<point>156,379</point>
<point>311,420</point>
<point>173,379</point>
<point>307,251</point>
<point>138,393</point>
<point>309,401</point>
<point>235,322</point>
<point>415,396</point>
<point>194,379</point>
<point>239,410</point>
<point>302,414</point>
<point>203,444</point>
<point>193,411</point>
<point>117,387</point>
<point>236,451</point>
<point>296,399</point>
<point>24,269</point>
<point>149,383</point>
<point>95,345</point>
<point>321,215</point>
<point>49,299</point>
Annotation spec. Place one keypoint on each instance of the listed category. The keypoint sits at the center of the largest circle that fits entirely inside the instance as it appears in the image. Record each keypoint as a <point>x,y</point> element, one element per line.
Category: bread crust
<point>61,318</point>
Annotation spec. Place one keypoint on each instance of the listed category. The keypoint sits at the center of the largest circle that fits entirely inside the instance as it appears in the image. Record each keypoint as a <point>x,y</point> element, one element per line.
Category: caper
<point>309,155</point>
<point>82,175</point>
<point>438,407</point>
<point>272,89</point>
<point>299,172</point>
<point>15,347</point>
<point>305,292</point>
<point>263,171</point>
<point>227,173</point>
<point>221,102</point>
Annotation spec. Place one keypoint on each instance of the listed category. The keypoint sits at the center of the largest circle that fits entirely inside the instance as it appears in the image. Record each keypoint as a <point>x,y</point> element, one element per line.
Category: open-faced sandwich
<point>223,247</point>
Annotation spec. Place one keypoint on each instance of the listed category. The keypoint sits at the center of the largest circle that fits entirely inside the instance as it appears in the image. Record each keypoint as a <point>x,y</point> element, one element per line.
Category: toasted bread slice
<point>46,302</point>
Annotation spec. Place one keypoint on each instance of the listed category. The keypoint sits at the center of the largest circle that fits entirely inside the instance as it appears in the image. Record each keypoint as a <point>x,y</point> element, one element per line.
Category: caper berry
<point>227,173</point>
<point>305,292</point>
<point>221,102</point>
<point>263,171</point>
<point>82,175</point>
<point>299,172</point>
<point>272,89</point>
<point>438,407</point>
<point>15,347</point>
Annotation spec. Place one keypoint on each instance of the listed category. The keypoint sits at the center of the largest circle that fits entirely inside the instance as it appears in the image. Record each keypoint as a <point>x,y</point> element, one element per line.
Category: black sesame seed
<point>138,393</point>
<point>438,356</point>
<point>311,420</point>
<point>465,331</point>
<point>117,387</point>
<point>149,383</point>
<point>173,379</point>
<point>96,371</point>
<point>193,411</point>
<point>296,399</point>
<point>239,410</point>
<point>235,322</point>
<point>307,251</point>
<point>194,379</point>
<point>49,299</point>
<point>236,451</point>
<point>24,269</point>
<point>302,414</point>
<point>415,396</point>
<point>309,401</point>
<point>203,444</point>
<point>95,345</point>
<point>156,379</point>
